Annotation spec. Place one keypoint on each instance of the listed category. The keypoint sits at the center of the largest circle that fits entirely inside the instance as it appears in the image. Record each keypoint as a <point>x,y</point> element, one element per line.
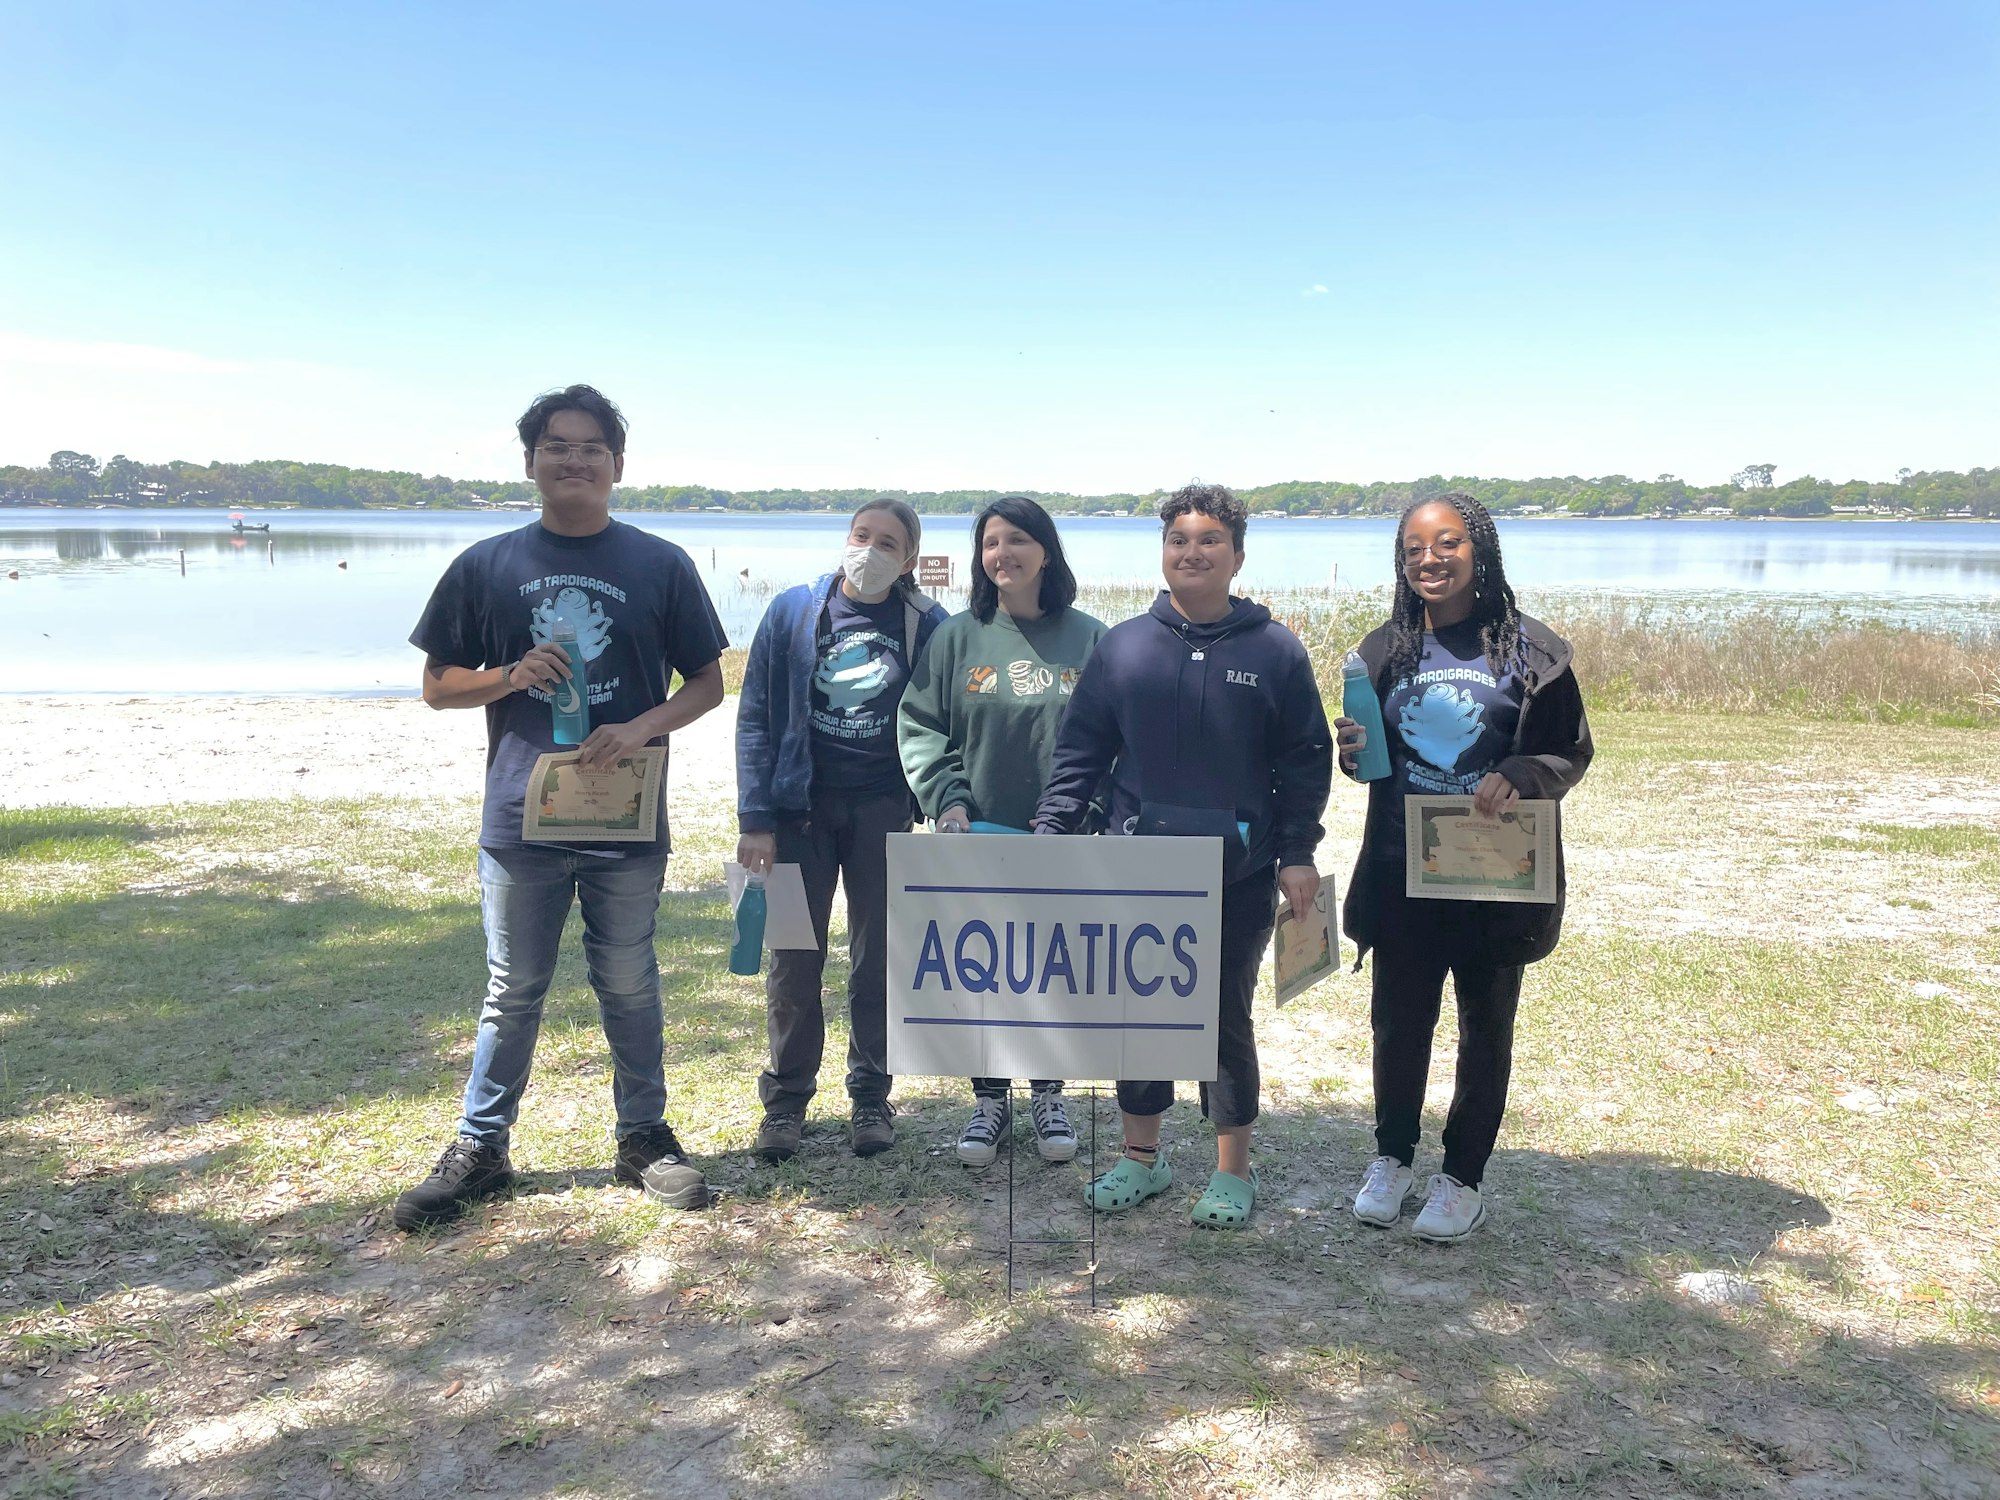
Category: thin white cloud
<point>1315,290</point>
<point>20,349</point>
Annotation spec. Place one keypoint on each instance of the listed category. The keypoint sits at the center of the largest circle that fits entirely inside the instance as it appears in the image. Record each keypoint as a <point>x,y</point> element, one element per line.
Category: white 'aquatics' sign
<point>1053,957</point>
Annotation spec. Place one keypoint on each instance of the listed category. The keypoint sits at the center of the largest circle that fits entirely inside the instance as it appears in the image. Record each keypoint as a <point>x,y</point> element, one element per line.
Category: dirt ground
<point>202,1297</point>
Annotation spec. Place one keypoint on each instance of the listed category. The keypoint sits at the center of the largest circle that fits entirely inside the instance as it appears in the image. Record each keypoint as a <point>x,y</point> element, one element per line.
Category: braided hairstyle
<point>1493,604</point>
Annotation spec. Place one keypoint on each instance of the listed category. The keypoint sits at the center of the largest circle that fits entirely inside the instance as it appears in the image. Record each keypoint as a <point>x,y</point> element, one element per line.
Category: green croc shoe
<point>1227,1203</point>
<point>1127,1185</point>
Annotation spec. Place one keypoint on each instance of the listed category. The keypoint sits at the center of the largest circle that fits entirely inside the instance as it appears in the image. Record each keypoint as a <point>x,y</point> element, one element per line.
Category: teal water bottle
<point>746,954</point>
<point>1359,703</point>
<point>569,700</point>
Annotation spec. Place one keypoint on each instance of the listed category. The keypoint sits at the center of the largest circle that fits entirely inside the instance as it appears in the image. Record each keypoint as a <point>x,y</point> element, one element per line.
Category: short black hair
<point>587,399</point>
<point>1211,500</point>
<point>1058,582</point>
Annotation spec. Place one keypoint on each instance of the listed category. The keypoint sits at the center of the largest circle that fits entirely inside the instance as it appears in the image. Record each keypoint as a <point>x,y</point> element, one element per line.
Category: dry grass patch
<point>219,1064</point>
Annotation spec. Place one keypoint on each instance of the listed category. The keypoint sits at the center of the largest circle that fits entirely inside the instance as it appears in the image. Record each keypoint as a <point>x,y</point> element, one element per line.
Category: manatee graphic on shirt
<point>1441,723</point>
<point>852,672</point>
<point>593,625</point>
<point>593,635</point>
<point>1445,716</point>
<point>855,668</point>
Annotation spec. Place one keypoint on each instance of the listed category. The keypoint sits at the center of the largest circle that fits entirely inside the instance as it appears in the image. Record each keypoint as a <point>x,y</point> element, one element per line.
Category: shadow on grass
<point>67,834</point>
<point>237,995</point>
<point>841,1332</point>
<point>835,1326</point>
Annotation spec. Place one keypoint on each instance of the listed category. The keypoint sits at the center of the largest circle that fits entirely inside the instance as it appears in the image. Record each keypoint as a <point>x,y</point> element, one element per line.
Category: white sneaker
<point>1383,1191</point>
<point>1054,1137</point>
<point>1452,1211</point>
<point>980,1144</point>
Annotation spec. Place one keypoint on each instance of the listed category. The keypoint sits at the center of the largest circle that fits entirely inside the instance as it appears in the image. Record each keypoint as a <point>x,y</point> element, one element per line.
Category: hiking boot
<point>871,1126</point>
<point>1383,1192</point>
<point>652,1160</point>
<point>1055,1139</point>
<point>1452,1212</point>
<point>990,1122</point>
<point>468,1171</point>
<point>778,1138</point>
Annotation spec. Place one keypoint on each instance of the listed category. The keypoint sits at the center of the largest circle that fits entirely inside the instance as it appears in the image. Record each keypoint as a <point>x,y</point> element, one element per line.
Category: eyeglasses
<point>560,452</point>
<point>1444,549</point>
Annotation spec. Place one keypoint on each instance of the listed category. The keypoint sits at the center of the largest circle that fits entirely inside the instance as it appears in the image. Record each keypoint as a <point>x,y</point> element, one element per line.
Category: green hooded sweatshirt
<point>978,722</point>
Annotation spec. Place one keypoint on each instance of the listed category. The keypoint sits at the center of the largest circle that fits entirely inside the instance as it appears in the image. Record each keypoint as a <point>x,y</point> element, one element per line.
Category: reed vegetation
<point>1804,661</point>
<point>1800,661</point>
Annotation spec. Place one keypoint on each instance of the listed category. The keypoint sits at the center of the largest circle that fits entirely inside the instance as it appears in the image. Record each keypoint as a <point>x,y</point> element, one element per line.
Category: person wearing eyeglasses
<point>640,617</point>
<point>1478,700</point>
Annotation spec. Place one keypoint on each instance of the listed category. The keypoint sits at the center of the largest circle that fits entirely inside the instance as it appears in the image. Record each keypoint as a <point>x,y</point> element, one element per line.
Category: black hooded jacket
<point>1552,749</point>
<point>1219,716</point>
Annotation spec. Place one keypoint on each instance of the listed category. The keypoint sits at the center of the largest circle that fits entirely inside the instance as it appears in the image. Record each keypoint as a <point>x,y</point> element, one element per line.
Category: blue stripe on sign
<point>1059,1025</point>
<point>1039,890</point>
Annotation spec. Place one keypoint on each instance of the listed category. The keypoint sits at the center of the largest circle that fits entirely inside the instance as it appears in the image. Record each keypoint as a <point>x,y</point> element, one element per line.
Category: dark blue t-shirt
<point>1450,722</point>
<point>856,689</point>
<point>645,617</point>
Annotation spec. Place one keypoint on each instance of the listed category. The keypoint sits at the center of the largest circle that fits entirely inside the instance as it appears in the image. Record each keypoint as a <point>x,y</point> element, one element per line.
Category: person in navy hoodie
<point>1206,714</point>
<point>819,783</point>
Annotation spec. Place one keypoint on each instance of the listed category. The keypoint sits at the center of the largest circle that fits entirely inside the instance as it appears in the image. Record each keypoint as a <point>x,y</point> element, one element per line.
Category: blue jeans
<point>526,894</point>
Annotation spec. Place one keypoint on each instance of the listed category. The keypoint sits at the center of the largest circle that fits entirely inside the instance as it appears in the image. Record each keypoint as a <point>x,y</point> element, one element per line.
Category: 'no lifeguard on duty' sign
<point>1053,957</point>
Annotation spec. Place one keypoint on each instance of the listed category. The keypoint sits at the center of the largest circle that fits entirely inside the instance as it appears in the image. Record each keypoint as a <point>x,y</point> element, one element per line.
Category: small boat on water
<point>249,526</point>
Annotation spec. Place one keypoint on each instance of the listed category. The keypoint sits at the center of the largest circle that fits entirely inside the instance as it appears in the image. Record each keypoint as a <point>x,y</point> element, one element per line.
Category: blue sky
<point>1081,246</point>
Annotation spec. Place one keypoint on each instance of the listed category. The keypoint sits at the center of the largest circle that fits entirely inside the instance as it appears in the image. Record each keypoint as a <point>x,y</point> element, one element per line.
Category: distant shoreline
<point>746,512</point>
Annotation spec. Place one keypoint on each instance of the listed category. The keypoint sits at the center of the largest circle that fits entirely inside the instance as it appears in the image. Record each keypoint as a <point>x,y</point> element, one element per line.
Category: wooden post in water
<point>184,561</point>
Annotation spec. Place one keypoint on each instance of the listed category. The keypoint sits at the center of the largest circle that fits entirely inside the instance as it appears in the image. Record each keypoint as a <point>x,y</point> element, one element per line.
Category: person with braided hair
<point>1477,700</point>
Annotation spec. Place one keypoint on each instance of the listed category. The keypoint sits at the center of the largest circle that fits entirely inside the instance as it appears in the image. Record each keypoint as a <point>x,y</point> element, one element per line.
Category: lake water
<point>102,604</point>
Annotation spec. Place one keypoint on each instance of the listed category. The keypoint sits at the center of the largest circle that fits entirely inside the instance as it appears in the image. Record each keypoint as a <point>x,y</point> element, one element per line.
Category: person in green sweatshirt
<point>977,728</point>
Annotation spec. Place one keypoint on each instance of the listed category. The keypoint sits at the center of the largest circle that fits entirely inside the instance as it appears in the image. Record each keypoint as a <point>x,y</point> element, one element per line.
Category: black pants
<point>844,841</point>
<point>1421,942</point>
<point>1248,908</point>
<point>996,1088</point>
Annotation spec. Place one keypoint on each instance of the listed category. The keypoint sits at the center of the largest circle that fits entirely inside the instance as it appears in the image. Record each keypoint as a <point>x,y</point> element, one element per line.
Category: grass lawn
<point>1769,1046</point>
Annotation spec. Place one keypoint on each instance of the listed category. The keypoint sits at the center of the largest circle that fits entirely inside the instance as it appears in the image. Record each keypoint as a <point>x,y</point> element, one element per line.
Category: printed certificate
<point>1304,952</point>
<point>1452,853</point>
<point>618,803</point>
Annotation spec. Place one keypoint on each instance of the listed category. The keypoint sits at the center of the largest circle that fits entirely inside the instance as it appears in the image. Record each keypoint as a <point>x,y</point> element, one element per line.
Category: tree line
<point>71,478</point>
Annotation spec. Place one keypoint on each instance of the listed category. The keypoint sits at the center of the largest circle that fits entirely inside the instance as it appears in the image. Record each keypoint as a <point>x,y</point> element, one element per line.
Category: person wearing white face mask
<point>819,784</point>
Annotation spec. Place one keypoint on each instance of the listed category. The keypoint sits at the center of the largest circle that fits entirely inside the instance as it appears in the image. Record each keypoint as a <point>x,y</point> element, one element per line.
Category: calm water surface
<point>102,604</point>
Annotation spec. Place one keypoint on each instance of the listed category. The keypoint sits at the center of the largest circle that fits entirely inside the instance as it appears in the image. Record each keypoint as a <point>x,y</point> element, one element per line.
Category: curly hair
<point>1492,596</point>
<point>1210,500</point>
<point>592,402</point>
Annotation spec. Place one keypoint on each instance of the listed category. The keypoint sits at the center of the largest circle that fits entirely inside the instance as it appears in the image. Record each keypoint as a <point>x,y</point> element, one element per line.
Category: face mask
<point>869,569</point>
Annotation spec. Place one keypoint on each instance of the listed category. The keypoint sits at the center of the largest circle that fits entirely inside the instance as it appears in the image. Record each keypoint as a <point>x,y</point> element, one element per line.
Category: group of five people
<point>865,707</point>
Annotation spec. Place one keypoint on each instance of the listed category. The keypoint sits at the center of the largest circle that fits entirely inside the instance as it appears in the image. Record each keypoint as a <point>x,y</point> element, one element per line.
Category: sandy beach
<point>140,752</point>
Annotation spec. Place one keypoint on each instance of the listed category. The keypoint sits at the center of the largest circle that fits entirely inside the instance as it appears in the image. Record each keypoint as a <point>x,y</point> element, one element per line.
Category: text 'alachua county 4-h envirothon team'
<point>867,710</point>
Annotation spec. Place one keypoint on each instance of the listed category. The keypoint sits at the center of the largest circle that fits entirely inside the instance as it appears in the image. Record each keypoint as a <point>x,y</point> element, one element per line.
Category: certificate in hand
<point>618,803</point>
<point>1451,853</point>
<point>1304,952</point>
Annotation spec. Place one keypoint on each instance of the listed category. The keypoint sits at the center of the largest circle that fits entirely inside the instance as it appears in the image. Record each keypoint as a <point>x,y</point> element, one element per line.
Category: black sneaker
<point>779,1137</point>
<point>652,1160</point>
<point>871,1126</point>
<point>468,1171</point>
